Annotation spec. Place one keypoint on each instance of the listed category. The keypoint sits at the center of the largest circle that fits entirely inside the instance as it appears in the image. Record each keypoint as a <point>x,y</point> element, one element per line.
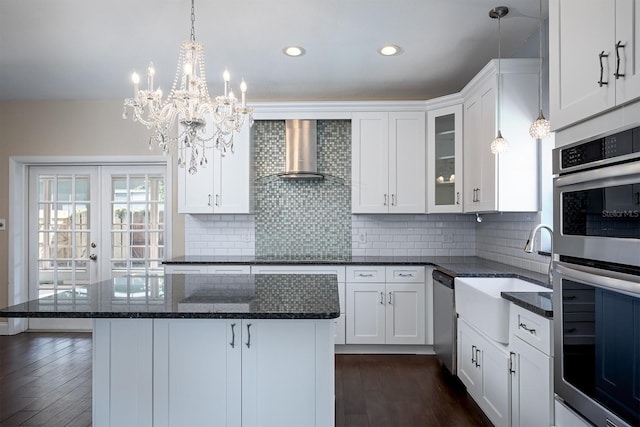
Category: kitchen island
<point>223,350</point>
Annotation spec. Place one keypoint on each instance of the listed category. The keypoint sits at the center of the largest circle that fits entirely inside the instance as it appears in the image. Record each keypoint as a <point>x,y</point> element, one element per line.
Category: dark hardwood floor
<point>45,380</point>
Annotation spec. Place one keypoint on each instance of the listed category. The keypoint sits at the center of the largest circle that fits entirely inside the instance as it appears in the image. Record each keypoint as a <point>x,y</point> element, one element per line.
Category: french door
<point>92,223</point>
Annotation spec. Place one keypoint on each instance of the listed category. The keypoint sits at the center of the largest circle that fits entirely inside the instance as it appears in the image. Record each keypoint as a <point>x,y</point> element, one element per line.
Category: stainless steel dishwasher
<point>445,329</point>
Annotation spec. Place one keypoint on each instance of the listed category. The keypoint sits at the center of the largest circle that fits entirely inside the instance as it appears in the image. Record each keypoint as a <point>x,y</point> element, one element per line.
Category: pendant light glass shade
<point>499,145</point>
<point>541,128</point>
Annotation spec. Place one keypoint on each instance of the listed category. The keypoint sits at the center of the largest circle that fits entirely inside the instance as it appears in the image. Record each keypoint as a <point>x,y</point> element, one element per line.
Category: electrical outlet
<point>362,237</point>
<point>3,224</point>
<point>447,237</point>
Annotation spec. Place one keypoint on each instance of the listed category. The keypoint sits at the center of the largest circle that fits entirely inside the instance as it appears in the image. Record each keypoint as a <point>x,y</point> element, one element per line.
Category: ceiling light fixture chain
<point>203,122</point>
<point>541,127</point>
<point>499,144</point>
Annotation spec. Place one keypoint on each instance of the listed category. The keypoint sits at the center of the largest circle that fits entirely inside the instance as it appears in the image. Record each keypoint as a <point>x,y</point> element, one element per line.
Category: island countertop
<point>296,296</point>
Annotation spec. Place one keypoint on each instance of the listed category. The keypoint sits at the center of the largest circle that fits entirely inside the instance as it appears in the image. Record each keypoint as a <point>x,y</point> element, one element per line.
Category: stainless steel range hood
<point>301,150</point>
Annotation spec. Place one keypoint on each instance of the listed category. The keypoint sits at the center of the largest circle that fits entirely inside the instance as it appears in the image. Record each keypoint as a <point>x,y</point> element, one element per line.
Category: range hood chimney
<point>301,150</point>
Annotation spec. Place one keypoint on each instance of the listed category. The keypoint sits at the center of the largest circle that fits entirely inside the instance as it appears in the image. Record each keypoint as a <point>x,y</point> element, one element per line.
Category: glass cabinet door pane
<point>445,160</point>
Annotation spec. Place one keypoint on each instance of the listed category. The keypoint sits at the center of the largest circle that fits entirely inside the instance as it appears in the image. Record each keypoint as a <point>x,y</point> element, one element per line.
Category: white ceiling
<point>87,49</point>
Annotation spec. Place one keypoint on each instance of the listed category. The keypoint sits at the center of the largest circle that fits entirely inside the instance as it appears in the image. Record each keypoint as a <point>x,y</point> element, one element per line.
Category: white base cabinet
<point>222,372</point>
<point>385,305</point>
<point>531,368</point>
<point>483,367</point>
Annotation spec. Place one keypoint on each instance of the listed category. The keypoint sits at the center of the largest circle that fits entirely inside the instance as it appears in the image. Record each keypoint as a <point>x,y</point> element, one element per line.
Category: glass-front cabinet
<point>444,159</point>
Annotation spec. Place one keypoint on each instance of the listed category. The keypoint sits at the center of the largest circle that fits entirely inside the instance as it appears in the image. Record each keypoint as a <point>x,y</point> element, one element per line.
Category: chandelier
<point>189,105</point>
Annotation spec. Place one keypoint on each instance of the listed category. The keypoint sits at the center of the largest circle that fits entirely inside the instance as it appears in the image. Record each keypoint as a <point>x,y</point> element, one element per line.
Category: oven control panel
<point>620,146</point>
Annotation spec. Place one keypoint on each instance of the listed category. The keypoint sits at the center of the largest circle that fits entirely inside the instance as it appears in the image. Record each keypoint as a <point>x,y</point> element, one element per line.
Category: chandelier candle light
<point>190,105</point>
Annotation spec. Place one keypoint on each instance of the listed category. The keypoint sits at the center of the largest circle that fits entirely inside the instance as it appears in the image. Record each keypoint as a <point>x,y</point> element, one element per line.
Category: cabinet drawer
<point>366,273</point>
<point>531,328</point>
<point>409,274</point>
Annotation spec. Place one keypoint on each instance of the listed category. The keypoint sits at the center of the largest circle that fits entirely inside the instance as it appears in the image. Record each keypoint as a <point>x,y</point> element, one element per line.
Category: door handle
<point>233,336</point>
<point>248,343</point>
<point>600,56</point>
<point>511,363</point>
<point>618,46</point>
<point>93,257</point>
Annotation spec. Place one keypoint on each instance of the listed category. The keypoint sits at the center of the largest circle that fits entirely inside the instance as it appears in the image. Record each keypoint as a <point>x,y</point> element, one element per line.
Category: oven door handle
<point>616,174</point>
<point>606,279</point>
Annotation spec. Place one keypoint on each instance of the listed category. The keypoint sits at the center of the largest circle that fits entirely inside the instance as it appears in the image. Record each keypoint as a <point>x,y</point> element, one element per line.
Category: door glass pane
<point>445,160</point>
<point>63,233</point>
<point>137,223</point>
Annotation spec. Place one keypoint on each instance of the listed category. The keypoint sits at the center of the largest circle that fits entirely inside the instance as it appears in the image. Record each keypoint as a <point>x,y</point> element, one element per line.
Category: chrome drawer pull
<point>365,275</point>
<point>531,331</point>
<point>405,274</point>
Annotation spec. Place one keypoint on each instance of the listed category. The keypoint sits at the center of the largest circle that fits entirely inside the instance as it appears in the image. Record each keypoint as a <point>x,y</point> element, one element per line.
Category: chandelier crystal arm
<point>203,122</point>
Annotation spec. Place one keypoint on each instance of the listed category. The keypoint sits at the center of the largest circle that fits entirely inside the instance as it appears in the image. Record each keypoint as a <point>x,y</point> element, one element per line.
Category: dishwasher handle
<point>442,278</point>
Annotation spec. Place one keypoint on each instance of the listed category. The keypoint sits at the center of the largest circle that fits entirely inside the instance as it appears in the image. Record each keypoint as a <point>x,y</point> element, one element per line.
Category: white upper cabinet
<point>444,160</point>
<point>388,162</point>
<point>223,185</point>
<point>507,182</point>
<point>594,47</point>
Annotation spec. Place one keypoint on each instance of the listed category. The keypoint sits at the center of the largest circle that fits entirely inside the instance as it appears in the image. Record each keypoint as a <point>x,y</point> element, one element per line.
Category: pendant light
<point>541,128</point>
<point>499,145</point>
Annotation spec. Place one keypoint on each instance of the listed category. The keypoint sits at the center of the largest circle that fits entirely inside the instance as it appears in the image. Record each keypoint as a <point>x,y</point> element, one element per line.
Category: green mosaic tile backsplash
<point>303,218</point>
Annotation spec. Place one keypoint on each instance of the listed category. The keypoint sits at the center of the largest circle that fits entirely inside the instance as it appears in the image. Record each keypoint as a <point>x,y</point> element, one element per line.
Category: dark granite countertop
<point>456,266</point>
<point>536,302</point>
<point>297,296</point>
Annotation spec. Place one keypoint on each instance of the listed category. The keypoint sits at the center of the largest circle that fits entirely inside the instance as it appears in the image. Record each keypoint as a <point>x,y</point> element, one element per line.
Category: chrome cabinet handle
<point>233,336</point>
<point>524,326</point>
<point>390,298</point>
<point>511,362</point>
<point>248,343</point>
<point>405,274</point>
<point>477,358</point>
<point>600,56</point>
<point>457,197</point>
<point>381,298</point>
<point>473,355</point>
<point>385,199</point>
<point>365,275</point>
<point>217,200</point>
<point>393,200</point>
<point>209,202</point>
<point>618,46</point>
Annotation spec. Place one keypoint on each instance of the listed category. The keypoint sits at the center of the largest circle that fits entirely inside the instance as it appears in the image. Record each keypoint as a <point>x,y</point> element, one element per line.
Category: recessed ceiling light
<point>390,50</point>
<point>294,51</point>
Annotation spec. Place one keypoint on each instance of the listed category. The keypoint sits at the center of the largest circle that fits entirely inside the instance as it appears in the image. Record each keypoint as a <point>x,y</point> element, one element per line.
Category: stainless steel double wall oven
<point>597,278</point>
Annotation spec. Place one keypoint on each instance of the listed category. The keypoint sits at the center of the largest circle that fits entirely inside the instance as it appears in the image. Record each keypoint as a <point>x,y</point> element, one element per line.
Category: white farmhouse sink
<point>479,303</point>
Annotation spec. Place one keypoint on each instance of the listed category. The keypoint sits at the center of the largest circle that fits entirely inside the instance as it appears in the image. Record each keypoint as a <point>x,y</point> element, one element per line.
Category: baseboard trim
<point>383,349</point>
